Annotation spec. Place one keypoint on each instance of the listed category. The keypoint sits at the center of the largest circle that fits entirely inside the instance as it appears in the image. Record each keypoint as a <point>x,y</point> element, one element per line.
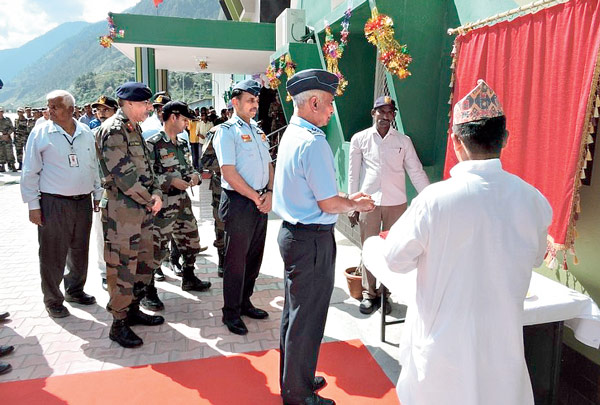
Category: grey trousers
<point>371,223</point>
<point>64,239</point>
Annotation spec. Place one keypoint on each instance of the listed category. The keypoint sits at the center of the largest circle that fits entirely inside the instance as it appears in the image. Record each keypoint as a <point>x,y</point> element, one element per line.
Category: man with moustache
<point>60,171</point>
<point>307,199</point>
<point>379,158</point>
<point>242,151</point>
<point>131,199</point>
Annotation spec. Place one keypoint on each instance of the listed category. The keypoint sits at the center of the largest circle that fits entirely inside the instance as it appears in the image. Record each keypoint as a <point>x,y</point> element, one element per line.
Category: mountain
<point>14,60</point>
<point>79,64</point>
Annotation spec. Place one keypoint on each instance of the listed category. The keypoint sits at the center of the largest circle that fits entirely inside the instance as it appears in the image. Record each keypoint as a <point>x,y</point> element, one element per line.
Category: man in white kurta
<point>473,240</point>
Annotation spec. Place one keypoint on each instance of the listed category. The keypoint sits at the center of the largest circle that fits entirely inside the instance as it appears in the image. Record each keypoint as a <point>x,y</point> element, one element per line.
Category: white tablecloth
<point>549,301</point>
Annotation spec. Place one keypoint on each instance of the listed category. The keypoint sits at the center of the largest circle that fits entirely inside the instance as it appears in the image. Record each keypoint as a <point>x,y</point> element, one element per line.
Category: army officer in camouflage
<point>131,198</point>
<point>22,129</point>
<point>6,152</point>
<point>172,165</point>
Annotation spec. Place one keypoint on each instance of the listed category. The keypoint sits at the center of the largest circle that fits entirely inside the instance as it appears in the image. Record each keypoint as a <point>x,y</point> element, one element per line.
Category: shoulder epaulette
<point>154,138</point>
<point>226,124</point>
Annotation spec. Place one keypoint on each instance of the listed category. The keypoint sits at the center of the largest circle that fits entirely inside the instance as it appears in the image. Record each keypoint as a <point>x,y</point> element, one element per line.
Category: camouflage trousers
<point>176,220</point>
<point>6,152</point>
<point>219,224</point>
<point>20,142</point>
<point>128,252</point>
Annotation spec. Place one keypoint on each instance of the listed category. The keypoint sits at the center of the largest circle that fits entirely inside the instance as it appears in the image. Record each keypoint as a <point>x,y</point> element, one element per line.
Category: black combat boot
<point>121,333</point>
<point>12,167</point>
<point>221,260</point>
<point>190,282</point>
<point>137,317</point>
<point>151,301</point>
<point>20,166</point>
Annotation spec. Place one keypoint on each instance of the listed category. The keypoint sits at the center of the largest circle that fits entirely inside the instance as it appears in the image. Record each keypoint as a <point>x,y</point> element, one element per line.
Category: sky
<point>23,20</point>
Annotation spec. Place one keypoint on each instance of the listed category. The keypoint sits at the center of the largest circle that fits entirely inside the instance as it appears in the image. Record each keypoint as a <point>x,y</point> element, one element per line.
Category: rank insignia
<point>130,126</point>
<point>264,137</point>
<point>246,138</point>
<point>169,155</point>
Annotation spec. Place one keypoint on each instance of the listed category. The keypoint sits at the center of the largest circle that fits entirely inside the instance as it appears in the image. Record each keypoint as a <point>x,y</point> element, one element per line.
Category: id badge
<point>73,161</point>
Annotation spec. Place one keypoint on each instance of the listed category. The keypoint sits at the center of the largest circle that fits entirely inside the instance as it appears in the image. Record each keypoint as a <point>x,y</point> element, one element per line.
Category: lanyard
<point>70,142</point>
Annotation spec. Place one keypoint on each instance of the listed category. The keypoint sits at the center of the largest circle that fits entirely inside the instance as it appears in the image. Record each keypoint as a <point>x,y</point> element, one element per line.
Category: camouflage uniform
<point>6,151</point>
<point>209,162</point>
<point>22,130</point>
<point>129,183</point>
<point>176,217</point>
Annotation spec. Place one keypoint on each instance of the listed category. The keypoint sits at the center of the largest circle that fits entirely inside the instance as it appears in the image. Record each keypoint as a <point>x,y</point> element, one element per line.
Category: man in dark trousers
<point>247,179</point>
<point>306,198</point>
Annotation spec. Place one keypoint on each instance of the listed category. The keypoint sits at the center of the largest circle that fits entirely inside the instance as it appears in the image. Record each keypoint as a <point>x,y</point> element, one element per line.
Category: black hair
<point>236,93</point>
<point>167,114</point>
<point>485,136</point>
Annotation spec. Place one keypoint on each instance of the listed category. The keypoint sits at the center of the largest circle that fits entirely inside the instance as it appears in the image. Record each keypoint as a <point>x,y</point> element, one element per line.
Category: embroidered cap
<point>161,98</point>
<point>480,103</point>
<point>134,91</point>
<point>383,101</point>
<point>312,79</point>
<point>107,102</point>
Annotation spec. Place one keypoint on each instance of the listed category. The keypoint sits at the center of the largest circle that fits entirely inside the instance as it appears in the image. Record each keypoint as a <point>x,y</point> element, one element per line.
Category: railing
<point>274,139</point>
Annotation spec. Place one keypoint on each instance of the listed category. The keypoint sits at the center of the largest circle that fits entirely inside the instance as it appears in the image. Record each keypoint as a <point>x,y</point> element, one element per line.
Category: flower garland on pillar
<point>333,50</point>
<point>276,69</point>
<point>107,40</point>
<point>379,31</point>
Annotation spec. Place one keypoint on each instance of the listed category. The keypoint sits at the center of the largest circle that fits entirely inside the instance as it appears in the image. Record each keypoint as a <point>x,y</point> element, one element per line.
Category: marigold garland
<point>333,51</point>
<point>379,31</point>
<point>107,40</point>
<point>276,69</point>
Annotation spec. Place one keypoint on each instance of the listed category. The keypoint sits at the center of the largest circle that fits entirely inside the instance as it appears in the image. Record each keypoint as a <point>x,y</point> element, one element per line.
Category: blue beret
<point>134,91</point>
<point>383,101</point>
<point>312,79</point>
<point>251,86</point>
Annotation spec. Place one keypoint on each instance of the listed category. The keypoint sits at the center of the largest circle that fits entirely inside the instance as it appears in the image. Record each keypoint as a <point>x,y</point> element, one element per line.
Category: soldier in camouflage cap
<point>172,165</point>
<point>22,130</point>
<point>131,199</point>
<point>6,152</point>
<point>209,162</point>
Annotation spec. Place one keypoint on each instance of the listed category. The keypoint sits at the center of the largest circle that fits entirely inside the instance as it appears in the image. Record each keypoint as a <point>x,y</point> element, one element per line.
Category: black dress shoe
<point>254,313</point>
<point>159,275</point>
<point>368,306</point>
<point>5,368</point>
<point>313,400</point>
<point>104,284</point>
<point>236,326</point>
<point>82,298</point>
<point>193,283</point>
<point>220,272</point>
<point>319,383</point>
<point>121,333</point>
<point>4,315</point>
<point>139,318</point>
<point>4,350</point>
<point>58,311</point>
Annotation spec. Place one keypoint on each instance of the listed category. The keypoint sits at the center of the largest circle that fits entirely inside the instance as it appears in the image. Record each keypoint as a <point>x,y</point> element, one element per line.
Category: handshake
<point>364,203</point>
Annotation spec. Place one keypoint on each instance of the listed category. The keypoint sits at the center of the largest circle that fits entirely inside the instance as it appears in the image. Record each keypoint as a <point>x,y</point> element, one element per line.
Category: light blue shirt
<point>246,147</point>
<point>47,167</point>
<point>304,175</point>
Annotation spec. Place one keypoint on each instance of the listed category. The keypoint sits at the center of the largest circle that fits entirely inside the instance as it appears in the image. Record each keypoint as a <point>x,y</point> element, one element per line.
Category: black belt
<point>68,197</point>
<point>309,227</point>
<point>175,191</point>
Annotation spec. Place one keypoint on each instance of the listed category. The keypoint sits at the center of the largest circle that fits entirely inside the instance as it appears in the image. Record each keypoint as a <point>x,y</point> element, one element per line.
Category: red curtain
<point>542,67</point>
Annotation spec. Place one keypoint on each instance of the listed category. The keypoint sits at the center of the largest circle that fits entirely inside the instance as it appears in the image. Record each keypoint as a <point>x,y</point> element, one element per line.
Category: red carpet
<point>353,377</point>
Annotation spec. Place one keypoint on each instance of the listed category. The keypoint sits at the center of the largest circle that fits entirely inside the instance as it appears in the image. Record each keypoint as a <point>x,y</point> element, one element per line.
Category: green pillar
<point>145,70</point>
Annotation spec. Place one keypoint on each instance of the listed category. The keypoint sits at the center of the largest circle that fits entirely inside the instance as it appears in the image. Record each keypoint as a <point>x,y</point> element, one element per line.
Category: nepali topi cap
<point>107,102</point>
<point>312,79</point>
<point>250,86</point>
<point>383,101</point>
<point>178,107</point>
<point>134,91</point>
<point>480,103</point>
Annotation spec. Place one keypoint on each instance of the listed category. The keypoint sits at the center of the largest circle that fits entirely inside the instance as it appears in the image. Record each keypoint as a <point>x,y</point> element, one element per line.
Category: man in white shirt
<point>379,158</point>
<point>60,171</point>
<point>473,240</point>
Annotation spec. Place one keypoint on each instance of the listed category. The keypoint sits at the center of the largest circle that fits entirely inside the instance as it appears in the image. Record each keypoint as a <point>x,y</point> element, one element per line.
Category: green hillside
<point>80,65</point>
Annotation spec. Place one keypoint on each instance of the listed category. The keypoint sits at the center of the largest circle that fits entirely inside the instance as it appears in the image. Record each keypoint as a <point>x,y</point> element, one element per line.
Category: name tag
<point>135,143</point>
<point>246,138</point>
<point>264,138</point>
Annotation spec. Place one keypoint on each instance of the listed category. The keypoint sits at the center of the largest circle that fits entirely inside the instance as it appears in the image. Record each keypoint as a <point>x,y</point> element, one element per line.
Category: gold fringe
<point>591,129</point>
<point>590,139</point>
<point>597,100</point>
<point>588,155</point>
<point>575,260</point>
<point>578,204</point>
<point>596,115</point>
<point>582,175</point>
